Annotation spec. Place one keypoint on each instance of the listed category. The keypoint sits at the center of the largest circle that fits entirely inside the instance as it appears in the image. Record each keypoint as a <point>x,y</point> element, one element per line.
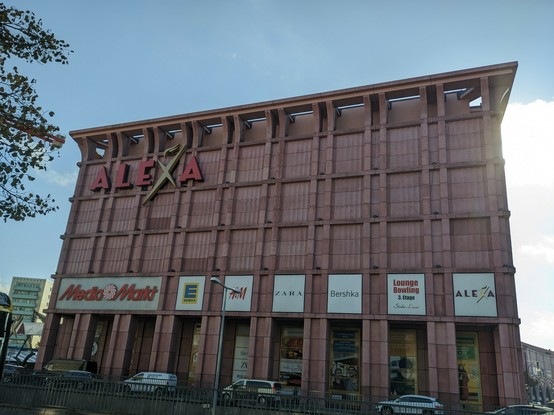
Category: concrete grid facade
<point>366,229</point>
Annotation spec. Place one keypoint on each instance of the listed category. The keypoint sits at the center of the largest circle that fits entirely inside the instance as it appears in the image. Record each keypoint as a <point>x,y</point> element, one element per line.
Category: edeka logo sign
<point>190,293</point>
<point>115,293</point>
<point>474,294</point>
<point>145,176</point>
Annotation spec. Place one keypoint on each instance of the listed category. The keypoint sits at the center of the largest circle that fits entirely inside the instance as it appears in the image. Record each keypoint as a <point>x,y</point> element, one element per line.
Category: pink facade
<point>366,230</point>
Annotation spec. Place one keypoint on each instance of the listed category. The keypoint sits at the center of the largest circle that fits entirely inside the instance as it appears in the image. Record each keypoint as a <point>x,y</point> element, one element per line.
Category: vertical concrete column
<point>48,338</point>
<point>82,337</point>
<point>509,365</point>
<point>442,363</point>
<point>315,362</point>
<point>260,348</point>
<point>375,359</point>
<point>120,347</point>
<point>163,350</point>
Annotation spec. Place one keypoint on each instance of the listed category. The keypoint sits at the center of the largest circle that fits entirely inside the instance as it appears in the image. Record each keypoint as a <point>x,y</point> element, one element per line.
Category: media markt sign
<point>144,176</point>
<point>109,293</point>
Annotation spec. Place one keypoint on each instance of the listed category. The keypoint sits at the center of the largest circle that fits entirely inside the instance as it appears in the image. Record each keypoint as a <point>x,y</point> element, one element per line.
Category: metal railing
<point>112,397</point>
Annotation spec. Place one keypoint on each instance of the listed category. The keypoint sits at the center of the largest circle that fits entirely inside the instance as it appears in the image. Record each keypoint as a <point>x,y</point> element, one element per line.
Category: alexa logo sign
<point>144,175</point>
<point>474,294</point>
<point>115,293</point>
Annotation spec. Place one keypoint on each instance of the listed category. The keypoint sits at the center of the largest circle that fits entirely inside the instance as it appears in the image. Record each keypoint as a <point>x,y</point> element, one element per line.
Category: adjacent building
<point>539,366</point>
<point>30,297</point>
<point>364,233</point>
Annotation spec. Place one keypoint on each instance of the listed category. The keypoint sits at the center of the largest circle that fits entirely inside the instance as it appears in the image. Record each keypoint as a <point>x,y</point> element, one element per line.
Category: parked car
<point>74,379</point>
<point>152,382</point>
<point>522,410</point>
<point>411,404</point>
<point>253,391</point>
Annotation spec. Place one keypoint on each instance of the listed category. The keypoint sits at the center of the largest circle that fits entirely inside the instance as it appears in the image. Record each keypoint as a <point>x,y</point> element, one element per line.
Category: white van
<point>151,382</point>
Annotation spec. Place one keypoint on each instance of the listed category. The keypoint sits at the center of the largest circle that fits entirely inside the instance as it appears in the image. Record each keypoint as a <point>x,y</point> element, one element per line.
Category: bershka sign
<point>145,176</point>
<point>344,293</point>
<point>115,293</point>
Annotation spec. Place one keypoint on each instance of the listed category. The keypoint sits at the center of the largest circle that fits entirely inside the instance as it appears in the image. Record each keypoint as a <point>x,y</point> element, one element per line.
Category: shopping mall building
<point>363,233</point>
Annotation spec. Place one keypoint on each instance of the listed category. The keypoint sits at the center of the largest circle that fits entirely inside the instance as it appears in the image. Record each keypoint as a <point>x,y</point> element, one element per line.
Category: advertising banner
<point>191,293</point>
<point>469,373</point>
<point>290,365</point>
<point>344,293</point>
<point>406,294</point>
<point>288,293</point>
<point>241,300</point>
<point>109,293</point>
<point>345,362</point>
<point>474,294</point>
<point>403,362</point>
<point>240,359</point>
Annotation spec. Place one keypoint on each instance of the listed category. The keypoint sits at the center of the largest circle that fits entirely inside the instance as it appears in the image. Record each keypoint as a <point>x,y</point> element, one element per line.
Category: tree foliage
<point>27,137</point>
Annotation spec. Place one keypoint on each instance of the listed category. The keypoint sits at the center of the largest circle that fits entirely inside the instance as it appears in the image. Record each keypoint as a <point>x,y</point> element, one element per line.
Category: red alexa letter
<point>144,178</point>
<point>191,172</point>
<point>101,181</point>
<point>121,178</point>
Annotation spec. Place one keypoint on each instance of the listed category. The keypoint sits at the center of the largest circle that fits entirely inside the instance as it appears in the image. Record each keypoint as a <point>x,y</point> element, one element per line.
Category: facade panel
<point>364,232</point>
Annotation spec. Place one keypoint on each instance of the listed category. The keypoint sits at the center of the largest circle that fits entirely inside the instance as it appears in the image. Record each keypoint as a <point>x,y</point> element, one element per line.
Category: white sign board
<point>474,294</point>
<point>406,294</point>
<point>109,293</point>
<point>240,300</point>
<point>344,293</point>
<point>288,293</point>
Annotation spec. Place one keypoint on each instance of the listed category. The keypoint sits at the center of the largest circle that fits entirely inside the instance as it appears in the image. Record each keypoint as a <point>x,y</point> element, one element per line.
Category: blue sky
<point>137,59</point>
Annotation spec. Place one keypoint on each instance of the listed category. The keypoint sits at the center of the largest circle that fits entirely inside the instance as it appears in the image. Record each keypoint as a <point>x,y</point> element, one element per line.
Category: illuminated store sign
<point>344,293</point>
<point>109,293</point>
<point>474,294</point>
<point>190,293</point>
<point>288,293</point>
<point>406,294</point>
<point>145,177</point>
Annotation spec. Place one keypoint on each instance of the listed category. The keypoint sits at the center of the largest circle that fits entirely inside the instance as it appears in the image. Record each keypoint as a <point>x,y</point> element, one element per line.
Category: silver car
<point>411,404</point>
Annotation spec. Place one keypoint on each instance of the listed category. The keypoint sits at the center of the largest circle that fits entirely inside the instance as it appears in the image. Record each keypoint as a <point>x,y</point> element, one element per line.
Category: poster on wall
<point>290,365</point>
<point>190,293</point>
<point>345,362</point>
<point>194,353</point>
<point>403,362</point>
<point>474,294</point>
<point>469,373</point>
<point>406,294</point>
<point>344,293</point>
<point>240,358</point>
<point>288,293</point>
<point>240,300</point>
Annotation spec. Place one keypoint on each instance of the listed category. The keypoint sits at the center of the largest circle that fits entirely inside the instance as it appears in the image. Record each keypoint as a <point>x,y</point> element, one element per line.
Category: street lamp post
<point>216,280</point>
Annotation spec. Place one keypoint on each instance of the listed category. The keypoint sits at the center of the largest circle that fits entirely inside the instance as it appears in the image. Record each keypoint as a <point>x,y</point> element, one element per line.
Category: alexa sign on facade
<point>145,174</point>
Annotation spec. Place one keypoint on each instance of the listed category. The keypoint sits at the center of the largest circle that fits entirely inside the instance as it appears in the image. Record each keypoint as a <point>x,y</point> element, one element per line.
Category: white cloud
<point>59,179</point>
<point>543,249</point>
<point>528,146</point>
<point>535,329</point>
<point>528,143</point>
